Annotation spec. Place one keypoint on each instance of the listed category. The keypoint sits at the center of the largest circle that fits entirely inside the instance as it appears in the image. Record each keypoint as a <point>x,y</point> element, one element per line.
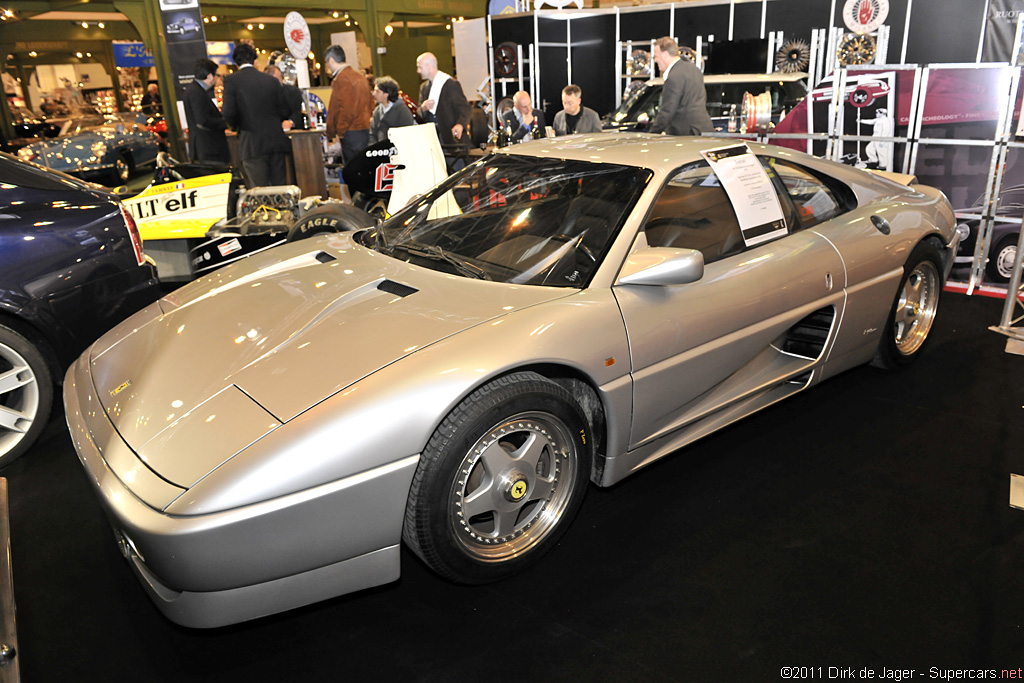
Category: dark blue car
<point>71,267</point>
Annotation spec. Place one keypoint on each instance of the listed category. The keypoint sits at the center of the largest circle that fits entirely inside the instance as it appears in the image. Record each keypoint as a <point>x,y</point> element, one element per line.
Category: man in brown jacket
<point>348,113</point>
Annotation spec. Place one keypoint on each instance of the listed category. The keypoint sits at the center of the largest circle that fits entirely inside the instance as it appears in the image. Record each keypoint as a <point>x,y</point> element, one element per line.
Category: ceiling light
<point>213,18</point>
<point>389,29</point>
<point>78,54</point>
<point>206,20</point>
<point>261,27</point>
<point>101,25</point>
<point>348,23</point>
<point>85,24</point>
<point>334,14</point>
<point>249,26</point>
<point>33,54</point>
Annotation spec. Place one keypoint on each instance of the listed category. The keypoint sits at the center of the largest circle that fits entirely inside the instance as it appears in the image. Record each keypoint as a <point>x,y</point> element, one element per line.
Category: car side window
<point>815,201</point>
<point>694,212</point>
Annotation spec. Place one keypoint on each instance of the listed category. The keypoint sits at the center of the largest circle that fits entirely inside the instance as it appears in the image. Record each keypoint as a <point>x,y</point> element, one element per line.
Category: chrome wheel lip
<point>19,398</point>
<point>916,308</point>
<point>557,487</point>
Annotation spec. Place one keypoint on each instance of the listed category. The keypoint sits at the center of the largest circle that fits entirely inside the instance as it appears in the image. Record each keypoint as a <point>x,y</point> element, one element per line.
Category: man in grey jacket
<point>574,117</point>
<point>684,103</point>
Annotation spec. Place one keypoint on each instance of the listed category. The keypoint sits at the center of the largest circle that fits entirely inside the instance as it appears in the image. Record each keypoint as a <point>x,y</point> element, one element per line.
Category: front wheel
<point>26,394</point>
<point>500,480</point>
<point>913,312</point>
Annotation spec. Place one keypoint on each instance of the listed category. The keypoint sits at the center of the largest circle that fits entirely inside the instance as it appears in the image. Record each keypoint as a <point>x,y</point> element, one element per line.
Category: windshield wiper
<point>436,253</point>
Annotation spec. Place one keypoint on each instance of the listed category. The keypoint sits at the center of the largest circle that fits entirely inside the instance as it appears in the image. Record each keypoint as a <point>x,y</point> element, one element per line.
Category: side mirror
<point>660,266</point>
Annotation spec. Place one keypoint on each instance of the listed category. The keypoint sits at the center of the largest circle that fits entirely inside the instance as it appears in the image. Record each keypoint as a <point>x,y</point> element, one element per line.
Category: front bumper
<point>212,570</point>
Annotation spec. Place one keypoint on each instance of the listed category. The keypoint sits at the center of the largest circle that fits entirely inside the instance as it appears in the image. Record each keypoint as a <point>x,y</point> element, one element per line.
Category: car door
<point>738,332</point>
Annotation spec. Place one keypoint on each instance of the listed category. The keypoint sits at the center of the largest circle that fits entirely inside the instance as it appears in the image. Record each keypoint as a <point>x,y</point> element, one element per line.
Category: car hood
<point>267,338</point>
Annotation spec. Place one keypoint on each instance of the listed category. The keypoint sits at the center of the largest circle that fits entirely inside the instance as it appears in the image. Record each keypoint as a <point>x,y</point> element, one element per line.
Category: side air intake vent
<point>324,257</point>
<point>396,288</point>
<point>807,338</point>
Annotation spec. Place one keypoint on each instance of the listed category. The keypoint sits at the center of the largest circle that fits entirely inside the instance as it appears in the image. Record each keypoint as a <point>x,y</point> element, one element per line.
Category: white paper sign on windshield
<point>751,192</point>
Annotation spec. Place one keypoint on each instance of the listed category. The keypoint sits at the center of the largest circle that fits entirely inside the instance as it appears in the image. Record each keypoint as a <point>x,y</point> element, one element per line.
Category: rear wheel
<point>500,480</point>
<point>913,312</point>
<point>1000,261</point>
<point>121,172</point>
<point>26,394</point>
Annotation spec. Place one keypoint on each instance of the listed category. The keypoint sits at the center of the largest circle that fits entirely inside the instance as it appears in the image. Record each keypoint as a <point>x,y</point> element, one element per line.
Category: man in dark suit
<point>442,101</point>
<point>390,113</point>
<point>523,123</point>
<point>206,126</point>
<point>151,103</point>
<point>684,103</point>
<point>292,94</point>
<point>254,105</point>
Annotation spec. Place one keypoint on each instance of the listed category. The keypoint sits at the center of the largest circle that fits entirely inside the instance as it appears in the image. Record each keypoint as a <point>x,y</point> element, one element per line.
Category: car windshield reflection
<point>516,219</point>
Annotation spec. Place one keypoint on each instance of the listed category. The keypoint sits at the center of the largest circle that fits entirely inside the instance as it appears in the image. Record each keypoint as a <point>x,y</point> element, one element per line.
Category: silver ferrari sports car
<point>560,313</point>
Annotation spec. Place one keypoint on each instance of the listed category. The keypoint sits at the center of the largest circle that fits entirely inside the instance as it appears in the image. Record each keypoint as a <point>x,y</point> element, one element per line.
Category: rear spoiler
<point>901,178</point>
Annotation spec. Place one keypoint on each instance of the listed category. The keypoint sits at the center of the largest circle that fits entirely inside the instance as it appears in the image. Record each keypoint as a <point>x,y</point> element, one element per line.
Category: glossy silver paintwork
<point>277,409</point>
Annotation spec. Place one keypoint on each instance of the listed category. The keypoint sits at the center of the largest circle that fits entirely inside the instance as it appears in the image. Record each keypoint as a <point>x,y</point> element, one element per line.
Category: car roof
<point>662,153</point>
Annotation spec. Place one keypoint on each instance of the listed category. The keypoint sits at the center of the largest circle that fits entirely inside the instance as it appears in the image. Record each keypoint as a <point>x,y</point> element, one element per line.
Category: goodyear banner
<point>182,23</point>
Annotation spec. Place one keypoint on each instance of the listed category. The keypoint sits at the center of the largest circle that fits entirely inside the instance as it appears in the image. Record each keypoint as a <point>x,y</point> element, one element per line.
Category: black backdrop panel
<point>593,64</point>
<point>552,30</point>
<point>950,35</point>
<point>555,63</point>
<point>701,21</point>
<point>747,21</point>
<point>796,18</point>
<point>643,26</point>
<point>737,57</point>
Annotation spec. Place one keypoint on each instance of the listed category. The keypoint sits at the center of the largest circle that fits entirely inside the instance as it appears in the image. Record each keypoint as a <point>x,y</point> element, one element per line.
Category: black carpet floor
<point>862,524</point>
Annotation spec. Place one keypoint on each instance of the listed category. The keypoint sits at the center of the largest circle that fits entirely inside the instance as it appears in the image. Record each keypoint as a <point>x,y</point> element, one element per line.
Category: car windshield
<point>77,125</point>
<point>516,219</point>
<point>645,100</point>
<point>784,95</point>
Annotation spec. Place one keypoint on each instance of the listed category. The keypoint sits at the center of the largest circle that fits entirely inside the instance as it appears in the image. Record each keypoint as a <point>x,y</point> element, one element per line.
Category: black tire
<point>26,394</point>
<point>121,171</point>
<point>506,60</point>
<point>519,451</point>
<point>330,218</point>
<point>913,312</point>
<point>1000,259</point>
